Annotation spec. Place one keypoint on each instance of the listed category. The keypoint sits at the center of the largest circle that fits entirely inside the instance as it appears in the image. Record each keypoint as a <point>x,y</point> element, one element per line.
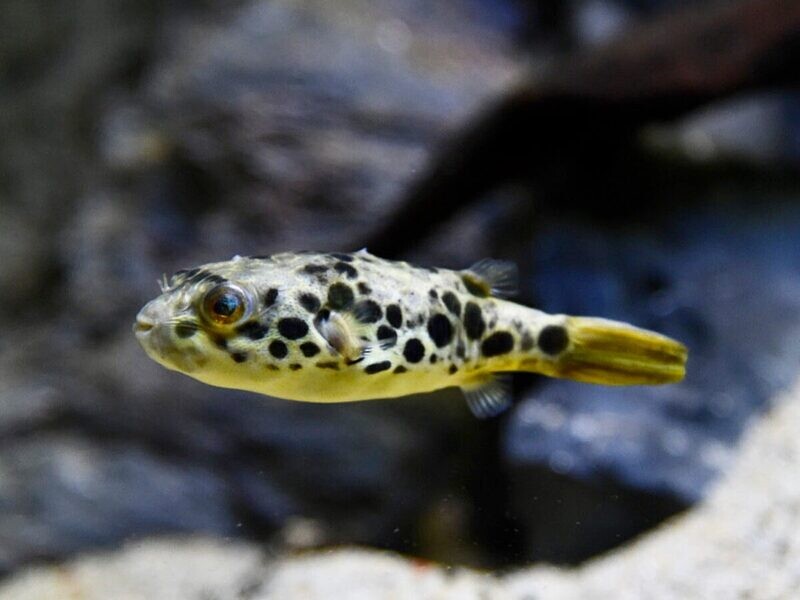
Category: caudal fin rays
<point>613,353</point>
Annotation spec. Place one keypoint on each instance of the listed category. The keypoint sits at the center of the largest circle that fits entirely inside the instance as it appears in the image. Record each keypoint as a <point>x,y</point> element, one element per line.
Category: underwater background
<point>639,160</point>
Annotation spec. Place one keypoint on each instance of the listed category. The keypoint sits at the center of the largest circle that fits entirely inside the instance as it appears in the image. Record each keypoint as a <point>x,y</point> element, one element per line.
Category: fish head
<point>205,323</point>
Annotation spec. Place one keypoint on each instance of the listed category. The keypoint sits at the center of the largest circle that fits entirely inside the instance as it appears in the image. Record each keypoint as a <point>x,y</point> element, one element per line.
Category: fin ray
<point>614,353</point>
<point>501,277</point>
<point>340,330</point>
<point>489,398</point>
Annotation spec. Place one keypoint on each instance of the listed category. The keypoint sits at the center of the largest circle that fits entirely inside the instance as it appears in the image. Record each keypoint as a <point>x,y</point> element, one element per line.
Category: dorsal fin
<point>492,277</point>
<point>341,331</point>
<point>490,397</point>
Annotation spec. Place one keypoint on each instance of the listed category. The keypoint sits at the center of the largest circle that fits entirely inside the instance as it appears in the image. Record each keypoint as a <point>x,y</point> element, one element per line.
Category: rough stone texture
<point>741,543</point>
<point>150,570</point>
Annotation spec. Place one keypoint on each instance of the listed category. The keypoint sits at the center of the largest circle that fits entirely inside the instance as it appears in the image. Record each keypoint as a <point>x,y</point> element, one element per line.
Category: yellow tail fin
<point>614,353</point>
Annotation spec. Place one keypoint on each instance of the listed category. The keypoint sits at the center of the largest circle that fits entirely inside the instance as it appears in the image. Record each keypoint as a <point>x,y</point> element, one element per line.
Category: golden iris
<point>224,305</point>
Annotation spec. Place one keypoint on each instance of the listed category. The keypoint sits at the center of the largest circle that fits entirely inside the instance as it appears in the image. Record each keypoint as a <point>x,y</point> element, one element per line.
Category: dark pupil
<point>226,305</point>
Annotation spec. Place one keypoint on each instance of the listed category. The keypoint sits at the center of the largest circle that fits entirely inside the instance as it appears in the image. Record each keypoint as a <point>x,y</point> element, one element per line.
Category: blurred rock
<point>300,123</point>
<point>757,129</point>
<point>152,570</point>
<point>60,492</point>
<point>741,543</point>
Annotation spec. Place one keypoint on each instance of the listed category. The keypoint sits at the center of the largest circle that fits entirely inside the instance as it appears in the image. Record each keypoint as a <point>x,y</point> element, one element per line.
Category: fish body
<point>336,327</point>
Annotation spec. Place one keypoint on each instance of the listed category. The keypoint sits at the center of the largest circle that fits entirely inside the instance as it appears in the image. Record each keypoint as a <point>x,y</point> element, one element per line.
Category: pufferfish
<point>338,327</point>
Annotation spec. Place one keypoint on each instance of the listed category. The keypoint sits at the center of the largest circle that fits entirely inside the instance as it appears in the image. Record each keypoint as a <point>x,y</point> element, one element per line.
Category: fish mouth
<point>142,327</point>
<point>155,339</point>
<point>614,353</point>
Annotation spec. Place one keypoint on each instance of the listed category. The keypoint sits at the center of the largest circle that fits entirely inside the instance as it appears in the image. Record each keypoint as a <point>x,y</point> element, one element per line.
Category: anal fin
<point>490,397</point>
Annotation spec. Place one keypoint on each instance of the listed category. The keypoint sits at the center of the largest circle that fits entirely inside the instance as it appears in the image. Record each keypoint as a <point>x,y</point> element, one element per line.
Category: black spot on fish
<point>239,357</point>
<point>315,269</point>
<point>185,330</point>
<point>377,367</point>
<point>400,369</point>
<point>270,297</point>
<point>433,359</point>
<point>278,349</point>
<point>387,336</point>
<point>433,294</point>
<point>452,369</point>
<point>394,315</point>
<point>474,324</point>
<point>186,272</point>
<point>414,351</point>
<point>342,256</point>
<point>292,328</point>
<point>220,341</point>
<point>272,367</point>
<point>310,302</point>
<point>368,311</point>
<point>295,367</point>
<point>440,330</point>
<point>331,364</point>
<point>364,289</point>
<point>452,303</point>
<point>340,296</point>
<point>498,343</point>
<point>345,269</point>
<point>309,349</point>
<point>198,276</point>
<point>553,339</point>
<point>253,329</point>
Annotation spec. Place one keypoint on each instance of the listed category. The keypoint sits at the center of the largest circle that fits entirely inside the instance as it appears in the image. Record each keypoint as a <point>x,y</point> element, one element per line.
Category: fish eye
<point>224,305</point>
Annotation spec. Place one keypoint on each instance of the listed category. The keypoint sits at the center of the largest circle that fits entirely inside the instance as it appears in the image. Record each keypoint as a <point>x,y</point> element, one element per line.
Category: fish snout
<point>152,326</point>
<point>146,319</point>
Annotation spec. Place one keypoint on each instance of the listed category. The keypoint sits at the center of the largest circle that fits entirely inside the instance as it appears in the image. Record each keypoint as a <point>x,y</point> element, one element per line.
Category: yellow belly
<point>349,384</point>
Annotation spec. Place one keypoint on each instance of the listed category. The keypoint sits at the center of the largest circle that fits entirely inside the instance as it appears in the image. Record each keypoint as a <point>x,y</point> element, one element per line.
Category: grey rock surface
<point>740,543</point>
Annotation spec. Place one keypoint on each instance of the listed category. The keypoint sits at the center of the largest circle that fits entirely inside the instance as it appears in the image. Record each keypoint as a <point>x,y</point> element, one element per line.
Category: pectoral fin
<point>341,331</point>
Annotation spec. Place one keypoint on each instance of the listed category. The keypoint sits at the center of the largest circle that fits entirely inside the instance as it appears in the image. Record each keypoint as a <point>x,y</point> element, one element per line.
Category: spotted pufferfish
<point>337,327</point>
